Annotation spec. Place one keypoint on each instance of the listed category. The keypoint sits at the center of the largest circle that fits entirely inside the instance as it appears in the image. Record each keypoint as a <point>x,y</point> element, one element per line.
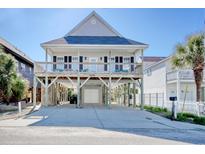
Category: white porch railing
<point>183,75</point>
<point>88,67</point>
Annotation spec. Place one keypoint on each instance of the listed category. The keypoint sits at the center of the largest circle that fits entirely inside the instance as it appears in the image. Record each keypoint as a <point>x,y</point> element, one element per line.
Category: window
<point>60,66</point>
<point>75,65</point>
<point>31,69</point>
<point>75,59</point>
<point>112,59</point>
<point>127,59</point>
<point>60,59</point>
<point>149,72</point>
<point>23,66</point>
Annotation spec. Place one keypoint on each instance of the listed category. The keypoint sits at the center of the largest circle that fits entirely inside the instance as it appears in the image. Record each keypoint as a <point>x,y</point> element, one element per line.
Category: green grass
<point>157,110</point>
<point>189,117</point>
<point>185,117</point>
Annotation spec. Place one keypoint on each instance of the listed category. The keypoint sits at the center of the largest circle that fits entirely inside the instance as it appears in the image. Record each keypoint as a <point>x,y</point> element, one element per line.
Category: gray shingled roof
<point>95,40</point>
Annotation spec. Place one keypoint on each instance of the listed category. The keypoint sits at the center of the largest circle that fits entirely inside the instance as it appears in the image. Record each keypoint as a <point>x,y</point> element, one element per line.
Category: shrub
<point>155,109</point>
<point>19,89</point>
<point>7,73</point>
<point>199,120</point>
<point>181,117</point>
<point>189,115</point>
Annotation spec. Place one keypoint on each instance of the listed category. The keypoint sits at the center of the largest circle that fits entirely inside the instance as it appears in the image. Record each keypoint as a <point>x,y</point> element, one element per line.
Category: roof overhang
<point>45,46</point>
<point>51,48</point>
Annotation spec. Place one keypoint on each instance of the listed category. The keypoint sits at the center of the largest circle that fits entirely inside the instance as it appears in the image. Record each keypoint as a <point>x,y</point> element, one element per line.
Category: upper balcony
<point>88,68</point>
<point>183,75</point>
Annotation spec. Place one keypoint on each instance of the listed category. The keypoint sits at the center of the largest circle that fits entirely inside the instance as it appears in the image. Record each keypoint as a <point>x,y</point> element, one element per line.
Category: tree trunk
<point>198,75</point>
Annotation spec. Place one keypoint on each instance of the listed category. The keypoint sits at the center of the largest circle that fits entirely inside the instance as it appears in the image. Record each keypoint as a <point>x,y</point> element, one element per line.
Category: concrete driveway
<point>95,118</point>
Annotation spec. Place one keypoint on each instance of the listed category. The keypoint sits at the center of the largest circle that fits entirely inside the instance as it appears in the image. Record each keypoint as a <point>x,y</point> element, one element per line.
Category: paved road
<point>98,125</point>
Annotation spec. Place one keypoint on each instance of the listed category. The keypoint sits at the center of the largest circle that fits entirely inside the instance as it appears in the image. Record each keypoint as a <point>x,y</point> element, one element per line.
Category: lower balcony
<point>183,75</point>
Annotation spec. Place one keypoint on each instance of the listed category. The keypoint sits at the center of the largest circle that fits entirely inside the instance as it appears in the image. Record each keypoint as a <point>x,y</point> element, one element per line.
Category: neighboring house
<point>93,58</point>
<point>24,63</point>
<point>149,60</point>
<point>161,79</point>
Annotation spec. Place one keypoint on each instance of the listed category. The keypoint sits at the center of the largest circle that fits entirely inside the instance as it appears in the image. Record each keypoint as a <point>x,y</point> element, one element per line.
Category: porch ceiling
<point>91,49</point>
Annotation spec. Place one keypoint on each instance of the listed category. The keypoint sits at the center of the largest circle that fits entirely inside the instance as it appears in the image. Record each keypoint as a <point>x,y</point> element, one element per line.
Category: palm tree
<point>191,55</point>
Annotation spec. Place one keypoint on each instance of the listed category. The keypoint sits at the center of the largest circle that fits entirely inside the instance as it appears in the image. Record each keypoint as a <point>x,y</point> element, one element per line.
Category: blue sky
<point>162,29</point>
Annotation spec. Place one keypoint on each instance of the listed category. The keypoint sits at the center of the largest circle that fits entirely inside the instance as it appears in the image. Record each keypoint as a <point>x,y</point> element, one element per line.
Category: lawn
<point>185,117</point>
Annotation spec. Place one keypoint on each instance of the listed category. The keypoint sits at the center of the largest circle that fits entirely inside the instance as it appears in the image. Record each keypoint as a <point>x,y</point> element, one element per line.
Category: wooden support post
<point>34,91</point>
<point>134,95</point>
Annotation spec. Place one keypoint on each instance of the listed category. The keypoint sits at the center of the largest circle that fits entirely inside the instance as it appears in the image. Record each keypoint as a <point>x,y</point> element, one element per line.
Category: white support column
<point>46,79</point>
<point>110,80</point>
<point>34,91</point>
<point>128,93</point>
<point>142,82</point>
<point>46,91</point>
<point>134,94</point>
<point>78,83</point>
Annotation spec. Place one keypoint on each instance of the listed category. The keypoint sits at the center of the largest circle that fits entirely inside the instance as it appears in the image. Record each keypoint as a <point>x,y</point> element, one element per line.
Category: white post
<point>128,93</point>
<point>134,95</point>
<point>142,82</point>
<point>34,91</point>
<point>78,84</point>
<point>46,80</point>
<point>19,107</point>
<point>110,81</point>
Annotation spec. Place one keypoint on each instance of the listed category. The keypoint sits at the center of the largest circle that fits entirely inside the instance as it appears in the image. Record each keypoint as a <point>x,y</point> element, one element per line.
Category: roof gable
<point>93,25</point>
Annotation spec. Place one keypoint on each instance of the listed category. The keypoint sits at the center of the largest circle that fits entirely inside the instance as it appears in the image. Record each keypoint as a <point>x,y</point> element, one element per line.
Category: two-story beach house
<point>93,58</point>
<point>24,63</point>
<point>161,78</point>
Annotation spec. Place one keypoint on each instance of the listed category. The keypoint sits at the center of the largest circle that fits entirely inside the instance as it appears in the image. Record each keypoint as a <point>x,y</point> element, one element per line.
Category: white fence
<point>158,100</point>
<point>154,99</point>
<point>188,107</point>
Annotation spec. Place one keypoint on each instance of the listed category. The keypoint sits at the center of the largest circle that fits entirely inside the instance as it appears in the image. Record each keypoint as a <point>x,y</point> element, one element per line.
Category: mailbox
<point>173,98</point>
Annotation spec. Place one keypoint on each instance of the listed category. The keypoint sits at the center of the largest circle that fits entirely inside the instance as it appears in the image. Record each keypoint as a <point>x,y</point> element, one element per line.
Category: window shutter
<point>54,60</point>
<point>70,60</point>
<point>65,61</point>
<point>81,65</point>
<point>105,65</point>
<point>121,59</point>
<point>132,59</point>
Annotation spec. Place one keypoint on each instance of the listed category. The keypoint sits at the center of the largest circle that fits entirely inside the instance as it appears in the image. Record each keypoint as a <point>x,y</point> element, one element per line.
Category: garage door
<point>91,96</point>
